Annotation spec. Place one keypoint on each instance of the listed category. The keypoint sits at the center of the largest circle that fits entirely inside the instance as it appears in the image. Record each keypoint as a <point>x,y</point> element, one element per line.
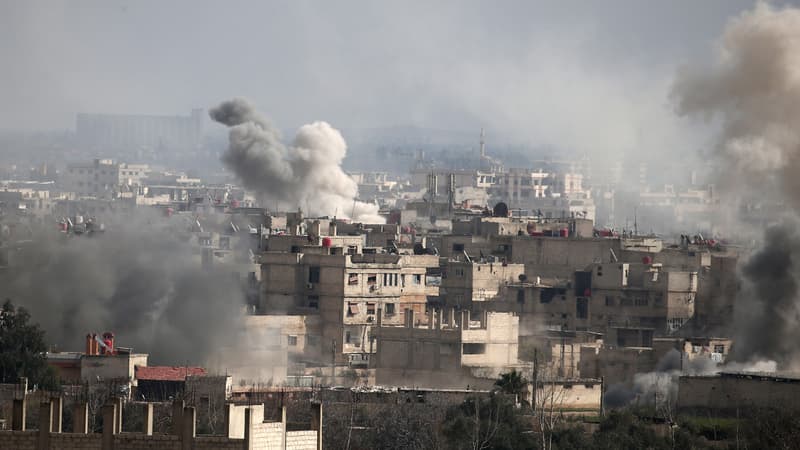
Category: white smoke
<point>305,175</point>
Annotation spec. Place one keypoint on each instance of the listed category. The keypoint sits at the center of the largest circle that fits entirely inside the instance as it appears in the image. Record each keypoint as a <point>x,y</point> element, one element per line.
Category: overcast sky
<point>592,75</point>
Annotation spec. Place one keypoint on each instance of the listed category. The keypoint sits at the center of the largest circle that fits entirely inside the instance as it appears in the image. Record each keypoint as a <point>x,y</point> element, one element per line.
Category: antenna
<point>635,223</point>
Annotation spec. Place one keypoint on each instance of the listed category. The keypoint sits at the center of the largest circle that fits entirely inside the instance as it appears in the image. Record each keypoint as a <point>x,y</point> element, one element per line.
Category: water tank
<point>327,242</point>
<point>531,228</point>
<point>564,232</point>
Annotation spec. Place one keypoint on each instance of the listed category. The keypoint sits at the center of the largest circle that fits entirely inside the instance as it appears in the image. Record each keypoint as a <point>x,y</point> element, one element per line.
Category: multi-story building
<point>447,353</point>
<point>465,282</point>
<point>103,178</point>
<point>347,290</point>
<point>133,132</point>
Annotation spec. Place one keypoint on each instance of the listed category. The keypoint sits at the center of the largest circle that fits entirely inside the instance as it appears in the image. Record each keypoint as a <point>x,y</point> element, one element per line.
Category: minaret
<point>483,145</point>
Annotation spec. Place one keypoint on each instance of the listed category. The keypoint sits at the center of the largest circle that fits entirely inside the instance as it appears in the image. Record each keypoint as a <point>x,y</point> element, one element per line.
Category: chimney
<point>95,345</point>
<point>89,341</point>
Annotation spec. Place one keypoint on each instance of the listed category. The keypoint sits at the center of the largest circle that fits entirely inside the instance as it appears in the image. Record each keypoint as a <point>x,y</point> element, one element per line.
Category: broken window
<point>352,279</point>
<point>458,247</point>
<point>390,309</point>
<point>417,278</point>
<point>473,349</point>
<point>372,279</point>
<point>719,349</point>
<point>292,340</point>
<point>346,337</point>
<point>313,274</point>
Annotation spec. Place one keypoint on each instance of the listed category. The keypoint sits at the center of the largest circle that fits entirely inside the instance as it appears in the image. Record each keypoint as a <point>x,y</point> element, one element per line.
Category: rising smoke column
<point>753,91</point>
<point>140,279</point>
<point>306,174</point>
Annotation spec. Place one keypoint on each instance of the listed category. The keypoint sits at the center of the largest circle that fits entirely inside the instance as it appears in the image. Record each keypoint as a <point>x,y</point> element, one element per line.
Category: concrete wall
<point>725,393</point>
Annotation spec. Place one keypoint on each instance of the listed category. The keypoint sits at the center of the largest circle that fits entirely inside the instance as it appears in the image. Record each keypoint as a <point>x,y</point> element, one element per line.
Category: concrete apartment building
<point>451,351</point>
<point>465,282</point>
<point>103,178</point>
<point>347,291</point>
<point>133,132</point>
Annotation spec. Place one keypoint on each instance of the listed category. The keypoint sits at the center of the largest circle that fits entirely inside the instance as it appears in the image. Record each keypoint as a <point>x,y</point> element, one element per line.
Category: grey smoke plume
<point>306,174</point>
<point>753,91</point>
<point>139,279</point>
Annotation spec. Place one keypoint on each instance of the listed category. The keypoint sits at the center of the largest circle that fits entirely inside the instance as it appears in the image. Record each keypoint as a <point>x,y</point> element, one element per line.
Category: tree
<point>22,349</point>
<point>512,383</point>
<point>486,423</point>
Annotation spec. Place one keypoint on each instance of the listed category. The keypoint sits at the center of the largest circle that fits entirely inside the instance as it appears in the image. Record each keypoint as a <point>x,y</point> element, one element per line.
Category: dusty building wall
<point>616,365</point>
<point>570,396</point>
<point>724,394</point>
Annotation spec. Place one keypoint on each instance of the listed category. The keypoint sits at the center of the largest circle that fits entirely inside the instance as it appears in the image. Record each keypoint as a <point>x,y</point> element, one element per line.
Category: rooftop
<point>167,373</point>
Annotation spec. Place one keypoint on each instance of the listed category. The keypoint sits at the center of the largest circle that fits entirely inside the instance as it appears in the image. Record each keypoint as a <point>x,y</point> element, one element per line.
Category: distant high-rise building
<point>128,132</point>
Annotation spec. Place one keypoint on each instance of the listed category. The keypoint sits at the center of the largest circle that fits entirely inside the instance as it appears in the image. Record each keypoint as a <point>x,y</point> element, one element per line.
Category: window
<point>372,279</point>
<point>473,349</point>
<point>390,309</point>
<point>225,242</point>
<point>312,340</point>
<point>609,300</point>
<point>292,341</point>
<point>458,247</point>
<point>719,349</point>
<point>390,279</point>
<point>352,279</point>
<point>352,309</point>
<point>417,279</point>
<point>313,274</point>
<point>641,300</point>
<point>352,250</point>
<point>346,337</point>
<point>582,308</point>
<point>658,299</point>
<point>520,296</point>
<point>370,308</point>
<point>313,301</point>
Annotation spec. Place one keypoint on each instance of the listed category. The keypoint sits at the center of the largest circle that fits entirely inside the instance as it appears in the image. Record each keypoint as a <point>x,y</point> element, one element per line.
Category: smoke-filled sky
<point>584,76</point>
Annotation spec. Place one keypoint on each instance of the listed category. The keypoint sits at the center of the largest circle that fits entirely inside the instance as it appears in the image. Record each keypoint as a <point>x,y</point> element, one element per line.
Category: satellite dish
<point>419,249</point>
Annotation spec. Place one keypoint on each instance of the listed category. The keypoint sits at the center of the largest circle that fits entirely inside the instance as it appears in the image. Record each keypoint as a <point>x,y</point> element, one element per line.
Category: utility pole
<point>333,360</point>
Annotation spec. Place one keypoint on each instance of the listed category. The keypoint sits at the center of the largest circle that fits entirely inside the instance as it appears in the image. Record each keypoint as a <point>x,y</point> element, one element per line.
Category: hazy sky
<point>590,75</point>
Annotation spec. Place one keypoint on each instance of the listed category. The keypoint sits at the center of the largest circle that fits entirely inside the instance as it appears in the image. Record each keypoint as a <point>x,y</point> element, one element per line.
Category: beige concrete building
<point>451,351</point>
<point>347,291</point>
<point>465,282</point>
<point>737,393</point>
